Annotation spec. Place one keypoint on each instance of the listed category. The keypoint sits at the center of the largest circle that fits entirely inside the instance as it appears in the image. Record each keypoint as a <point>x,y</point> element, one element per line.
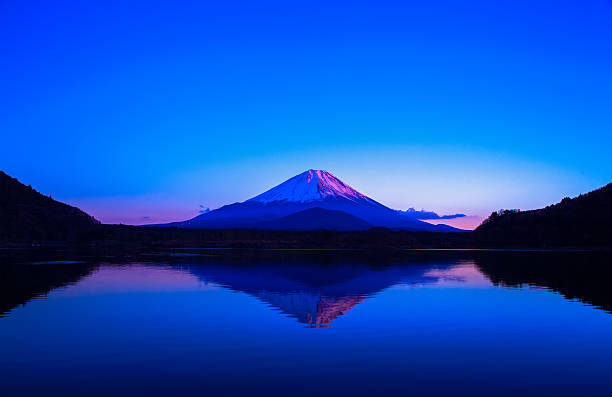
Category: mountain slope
<point>310,189</point>
<point>585,220</point>
<point>317,219</point>
<point>27,215</point>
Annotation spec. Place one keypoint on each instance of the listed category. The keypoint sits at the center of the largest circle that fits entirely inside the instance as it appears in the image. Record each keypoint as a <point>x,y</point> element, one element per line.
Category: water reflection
<point>584,277</point>
<point>19,282</point>
<point>317,294</point>
<point>316,289</point>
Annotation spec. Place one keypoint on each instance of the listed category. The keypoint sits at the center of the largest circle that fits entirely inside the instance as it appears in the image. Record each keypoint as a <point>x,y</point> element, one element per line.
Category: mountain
<point>585,220</point>
<point>27,215</point>
<point>310,189</point>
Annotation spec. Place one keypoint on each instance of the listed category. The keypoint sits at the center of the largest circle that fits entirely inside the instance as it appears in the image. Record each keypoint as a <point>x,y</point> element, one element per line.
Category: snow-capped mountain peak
<point>312,200</point>
<point>311,185</point>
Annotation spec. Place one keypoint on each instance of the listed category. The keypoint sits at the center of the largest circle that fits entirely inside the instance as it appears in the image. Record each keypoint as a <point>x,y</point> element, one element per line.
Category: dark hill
<point>317,219</point>
<point>26,215</point>
<point>583,221</point>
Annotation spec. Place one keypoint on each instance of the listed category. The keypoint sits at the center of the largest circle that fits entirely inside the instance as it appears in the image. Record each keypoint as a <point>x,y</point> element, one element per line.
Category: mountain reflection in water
<point>317,294</point>
<point>316,289</point>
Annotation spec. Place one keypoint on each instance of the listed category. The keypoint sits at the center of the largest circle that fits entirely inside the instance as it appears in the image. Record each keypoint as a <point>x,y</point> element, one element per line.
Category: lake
<point>297,323</point>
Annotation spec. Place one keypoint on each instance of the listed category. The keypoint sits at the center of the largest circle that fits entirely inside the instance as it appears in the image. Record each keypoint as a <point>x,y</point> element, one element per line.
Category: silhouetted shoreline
<point>30,219</point>
<point>137,238</point>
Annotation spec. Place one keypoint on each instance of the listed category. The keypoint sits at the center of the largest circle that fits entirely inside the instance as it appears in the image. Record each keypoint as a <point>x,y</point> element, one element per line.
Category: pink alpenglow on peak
<point>311,185</point>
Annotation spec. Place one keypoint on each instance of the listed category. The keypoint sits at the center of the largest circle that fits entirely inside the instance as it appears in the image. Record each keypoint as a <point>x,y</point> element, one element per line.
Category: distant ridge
<point>317,219</point>
<point>27,215</point>
<point>585,220</point>
<point>310,189</point>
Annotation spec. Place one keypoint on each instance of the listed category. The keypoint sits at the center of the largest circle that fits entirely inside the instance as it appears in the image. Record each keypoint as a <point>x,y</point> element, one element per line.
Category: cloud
<point>424,215</point>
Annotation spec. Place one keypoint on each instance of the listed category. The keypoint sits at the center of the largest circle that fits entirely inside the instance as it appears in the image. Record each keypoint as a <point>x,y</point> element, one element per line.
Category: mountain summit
<point>311,185</point>
<point>340,207</point>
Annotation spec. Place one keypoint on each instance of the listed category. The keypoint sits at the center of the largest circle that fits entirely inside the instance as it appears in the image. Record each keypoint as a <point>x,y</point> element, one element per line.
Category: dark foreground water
<point>210,323</point>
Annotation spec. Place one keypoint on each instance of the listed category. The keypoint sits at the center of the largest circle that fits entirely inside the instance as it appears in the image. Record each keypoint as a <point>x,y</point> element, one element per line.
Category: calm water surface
<point>291,323</point>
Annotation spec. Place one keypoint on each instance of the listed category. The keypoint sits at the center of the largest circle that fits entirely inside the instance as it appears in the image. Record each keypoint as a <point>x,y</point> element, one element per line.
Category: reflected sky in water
<point>425,325</point>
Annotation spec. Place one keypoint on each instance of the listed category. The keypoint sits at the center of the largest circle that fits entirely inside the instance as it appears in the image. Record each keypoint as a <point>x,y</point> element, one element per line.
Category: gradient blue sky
<point>141,111</point>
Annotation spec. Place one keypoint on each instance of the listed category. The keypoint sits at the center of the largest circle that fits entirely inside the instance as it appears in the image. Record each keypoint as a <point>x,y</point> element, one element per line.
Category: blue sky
<point>142,111</point>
